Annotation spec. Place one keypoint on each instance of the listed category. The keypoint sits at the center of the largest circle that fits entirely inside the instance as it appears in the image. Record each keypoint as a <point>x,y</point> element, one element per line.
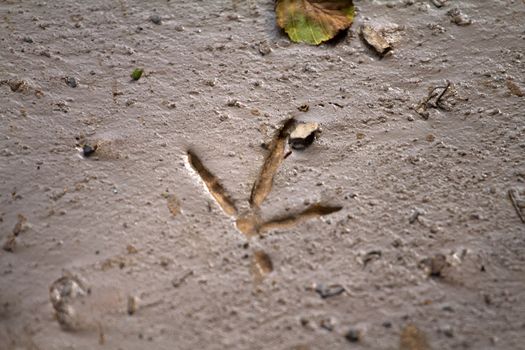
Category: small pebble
<point>303,135</point>
<point>155,19</point>
<point>353,335</point>
<point>88,150</point>
<point>329,291</point>
<point>264,48</point>
<point>71,82</point>
<point>494,111</point>
<point>414,216</point>
<point>458,18</point>
<point>448,331</point>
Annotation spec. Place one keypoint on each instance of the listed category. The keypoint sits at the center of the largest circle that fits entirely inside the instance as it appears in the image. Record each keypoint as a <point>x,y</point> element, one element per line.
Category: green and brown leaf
<point>314,21</point>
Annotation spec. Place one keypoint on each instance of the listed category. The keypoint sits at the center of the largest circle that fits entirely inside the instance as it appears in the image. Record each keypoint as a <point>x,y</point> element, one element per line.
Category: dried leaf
<point>314,21</point>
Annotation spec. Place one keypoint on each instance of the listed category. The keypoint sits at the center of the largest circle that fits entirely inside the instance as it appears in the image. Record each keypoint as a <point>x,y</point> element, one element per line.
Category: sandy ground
<point>412,186</point>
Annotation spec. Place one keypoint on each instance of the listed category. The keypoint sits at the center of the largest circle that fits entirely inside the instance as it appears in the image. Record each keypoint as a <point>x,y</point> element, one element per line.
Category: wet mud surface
<point>171,212</point>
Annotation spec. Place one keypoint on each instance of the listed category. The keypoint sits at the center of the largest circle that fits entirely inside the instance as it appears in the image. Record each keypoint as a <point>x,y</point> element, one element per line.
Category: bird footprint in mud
<point>251,223</point>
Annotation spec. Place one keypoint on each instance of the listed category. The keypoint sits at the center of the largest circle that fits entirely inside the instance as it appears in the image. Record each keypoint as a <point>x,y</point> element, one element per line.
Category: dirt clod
<point>131,249</point>
<point>16,85</point>
<point>514,88</point>
<point>63,293</point>
<point>434,266</point>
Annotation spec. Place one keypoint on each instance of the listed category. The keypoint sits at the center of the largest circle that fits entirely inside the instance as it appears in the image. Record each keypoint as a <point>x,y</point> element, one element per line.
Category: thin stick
<point>442,94</point>
<point>512,195</point>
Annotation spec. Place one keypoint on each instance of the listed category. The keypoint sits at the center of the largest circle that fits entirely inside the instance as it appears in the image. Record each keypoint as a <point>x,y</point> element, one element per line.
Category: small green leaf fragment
<point>137,73</point>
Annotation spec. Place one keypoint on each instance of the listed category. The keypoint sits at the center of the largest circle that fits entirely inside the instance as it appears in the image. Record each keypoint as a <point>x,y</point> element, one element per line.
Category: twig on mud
<point>422,107</point>
<point>178,281</point>
<point>438,100</point>
<point>517,203</point>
